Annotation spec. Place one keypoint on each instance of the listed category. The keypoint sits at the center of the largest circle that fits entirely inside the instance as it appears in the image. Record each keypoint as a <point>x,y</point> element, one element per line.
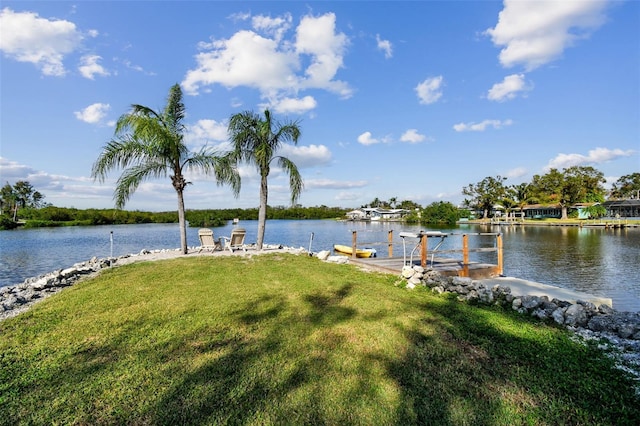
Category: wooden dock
<point>491,274</point>
<point>446,266</point>
<point>416,251</point>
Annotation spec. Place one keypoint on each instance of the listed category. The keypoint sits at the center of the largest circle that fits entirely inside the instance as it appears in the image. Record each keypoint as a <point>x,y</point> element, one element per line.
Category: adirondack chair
<point>236,240</point>
<point>207,242</point>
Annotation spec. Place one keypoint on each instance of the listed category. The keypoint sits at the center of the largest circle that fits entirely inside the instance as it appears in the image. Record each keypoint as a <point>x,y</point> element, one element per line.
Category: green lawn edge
<point>287,339</point>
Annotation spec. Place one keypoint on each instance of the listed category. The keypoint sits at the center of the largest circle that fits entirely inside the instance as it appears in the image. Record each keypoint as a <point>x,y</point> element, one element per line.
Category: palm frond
<point>224,167</point>
<point>295,179</point>
<point>118,154</point>
<point>132,177</point>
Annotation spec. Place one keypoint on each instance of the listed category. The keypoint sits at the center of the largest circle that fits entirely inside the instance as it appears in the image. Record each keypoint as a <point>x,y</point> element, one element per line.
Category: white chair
<point>207,242</point>
<point>236,240</point>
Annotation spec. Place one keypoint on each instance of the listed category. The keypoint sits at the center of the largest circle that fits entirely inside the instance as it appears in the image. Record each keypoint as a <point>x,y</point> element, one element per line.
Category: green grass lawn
<point>284,339</point>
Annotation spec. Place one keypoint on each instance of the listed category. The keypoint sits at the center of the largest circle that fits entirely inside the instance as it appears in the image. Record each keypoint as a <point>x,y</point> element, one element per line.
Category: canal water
<point>598,261</point>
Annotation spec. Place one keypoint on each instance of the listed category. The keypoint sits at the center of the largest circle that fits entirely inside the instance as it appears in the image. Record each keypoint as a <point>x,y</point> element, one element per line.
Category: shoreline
<point>35,289</point>
<point>616,333</point>
<point>583,223</point>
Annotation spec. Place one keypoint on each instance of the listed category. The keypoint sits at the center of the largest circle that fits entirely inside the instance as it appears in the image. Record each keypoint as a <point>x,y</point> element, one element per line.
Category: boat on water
<point>364,252</point>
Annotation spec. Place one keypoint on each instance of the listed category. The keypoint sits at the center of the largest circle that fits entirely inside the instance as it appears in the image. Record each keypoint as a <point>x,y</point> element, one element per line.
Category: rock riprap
<point>616,332</point>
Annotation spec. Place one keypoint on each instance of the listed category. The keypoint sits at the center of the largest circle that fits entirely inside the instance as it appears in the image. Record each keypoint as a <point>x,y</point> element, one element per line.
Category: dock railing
<point>422,246</point>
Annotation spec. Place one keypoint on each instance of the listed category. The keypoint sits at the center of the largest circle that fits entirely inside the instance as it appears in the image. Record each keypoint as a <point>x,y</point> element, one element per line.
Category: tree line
<point>51,216</point>
<point>19,196</point>
<point>577,184</point>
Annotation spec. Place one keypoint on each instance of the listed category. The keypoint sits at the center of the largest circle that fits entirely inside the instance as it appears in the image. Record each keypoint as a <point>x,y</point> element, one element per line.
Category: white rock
<point>407,271</point>
<point>323,255</point>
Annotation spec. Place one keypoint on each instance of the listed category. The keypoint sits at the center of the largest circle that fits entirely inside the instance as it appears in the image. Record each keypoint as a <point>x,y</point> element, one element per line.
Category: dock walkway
<point>520,287</point>
<point>446,266</point>
<point>485,274</point>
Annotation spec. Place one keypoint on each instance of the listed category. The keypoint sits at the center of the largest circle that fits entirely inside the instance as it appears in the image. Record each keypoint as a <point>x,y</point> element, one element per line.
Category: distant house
<point>543,211</point>
<point>622,208</point>
<point>356,215</point>
<point>582,209</point>
<point>376,213</point>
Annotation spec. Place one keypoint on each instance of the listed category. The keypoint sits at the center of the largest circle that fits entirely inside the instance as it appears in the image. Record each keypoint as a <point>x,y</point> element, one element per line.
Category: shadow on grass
<point>313,359</point>
<point>458,368</point>
<point>473,372</point>
<point>245,376</point>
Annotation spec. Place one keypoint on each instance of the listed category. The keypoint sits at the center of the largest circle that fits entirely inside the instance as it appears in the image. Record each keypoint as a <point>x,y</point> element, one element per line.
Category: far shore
<point>582,223</point>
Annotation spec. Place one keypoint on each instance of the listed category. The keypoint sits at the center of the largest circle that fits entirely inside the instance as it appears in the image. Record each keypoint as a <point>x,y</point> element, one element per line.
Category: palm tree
<point>149,144</point>
<point>256,140</point>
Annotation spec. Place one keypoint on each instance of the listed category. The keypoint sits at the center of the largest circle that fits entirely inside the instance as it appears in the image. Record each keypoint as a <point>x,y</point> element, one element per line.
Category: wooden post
<point>390,240</point>
<point>354,241</point>
<point>500,259</point>
<point>423,250</point>
<point>465,255</point>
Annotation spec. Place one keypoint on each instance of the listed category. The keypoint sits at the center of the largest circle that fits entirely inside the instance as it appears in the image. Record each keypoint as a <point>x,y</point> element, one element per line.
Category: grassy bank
<point>283,339</point>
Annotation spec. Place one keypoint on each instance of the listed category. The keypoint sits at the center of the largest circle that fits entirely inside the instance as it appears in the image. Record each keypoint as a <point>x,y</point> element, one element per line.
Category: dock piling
<point>354,244</point>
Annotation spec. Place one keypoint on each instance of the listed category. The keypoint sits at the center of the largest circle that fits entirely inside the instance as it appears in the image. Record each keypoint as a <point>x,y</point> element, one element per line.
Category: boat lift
<point>420,235</point>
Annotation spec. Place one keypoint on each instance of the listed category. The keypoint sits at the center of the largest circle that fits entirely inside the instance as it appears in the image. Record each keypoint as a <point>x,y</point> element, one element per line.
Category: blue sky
<point>411,100</point>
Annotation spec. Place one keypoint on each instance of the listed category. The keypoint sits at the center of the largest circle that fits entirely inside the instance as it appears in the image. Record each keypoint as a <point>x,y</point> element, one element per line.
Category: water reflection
<point>598,261</point>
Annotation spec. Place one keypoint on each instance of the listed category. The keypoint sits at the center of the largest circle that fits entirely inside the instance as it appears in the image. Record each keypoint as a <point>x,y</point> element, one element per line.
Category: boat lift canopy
<point>419,236</point>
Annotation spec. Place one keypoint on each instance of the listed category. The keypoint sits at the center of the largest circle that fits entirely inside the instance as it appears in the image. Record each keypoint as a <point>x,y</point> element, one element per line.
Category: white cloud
<point>367,139</point>
<point>294,105</point>
<point>317,37</point>
<point>429,91</point>
<point>306,156</point>
<point>272,64</point>
<point>594,156</point>
<point>333,184</point>
<point>55,188</point>
<point>93,114</point>
<point>246,59</point>
<point>482,126</point>
<point>516,173</point>
<point>412,136</point>
<point>533,32</point>
<point>385,46</point>
<point>205,131</point>
<point>130,65</point>
<point>510,87</point>
<point>13,171</point>
<point>347,196</point>
<point>90,67</point>
<point>273,26</point>
<point>26,37</point>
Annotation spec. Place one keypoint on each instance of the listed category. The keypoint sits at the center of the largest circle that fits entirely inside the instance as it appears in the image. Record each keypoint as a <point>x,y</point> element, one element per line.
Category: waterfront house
<point>356,214</point>
<point>377,213</point>
<point>543,211</point>
<point>622,208</point>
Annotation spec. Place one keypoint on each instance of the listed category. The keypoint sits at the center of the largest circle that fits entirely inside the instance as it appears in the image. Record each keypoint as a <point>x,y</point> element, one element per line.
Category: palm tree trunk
<point>182,222</point>
<point>262,212</point>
